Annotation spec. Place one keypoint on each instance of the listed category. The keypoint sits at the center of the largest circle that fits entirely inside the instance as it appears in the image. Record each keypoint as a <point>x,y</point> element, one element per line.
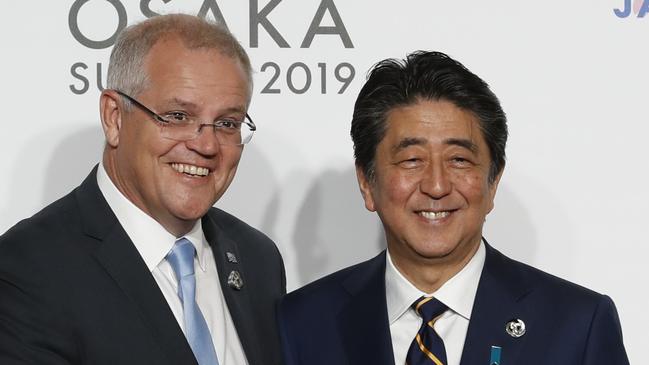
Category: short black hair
<point>424,75</point>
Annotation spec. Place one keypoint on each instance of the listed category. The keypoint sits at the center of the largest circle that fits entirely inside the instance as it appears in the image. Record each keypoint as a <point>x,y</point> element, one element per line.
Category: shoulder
<point>580,319</point>
<point>262,258</point>
<point>545,290</point>
<point>61,220</point>
<point>259,259</point>
<point>244,234</point>
<point>43,230</point>
<point>234,226</point>
<point>38,256</point>
<point>333,290</point>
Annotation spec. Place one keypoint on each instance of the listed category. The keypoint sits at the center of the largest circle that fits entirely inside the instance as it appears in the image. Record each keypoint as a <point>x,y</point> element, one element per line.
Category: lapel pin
<point>231,258</point>
<point>495,355</point>
<point>234,280</point>
<point>515,328</point>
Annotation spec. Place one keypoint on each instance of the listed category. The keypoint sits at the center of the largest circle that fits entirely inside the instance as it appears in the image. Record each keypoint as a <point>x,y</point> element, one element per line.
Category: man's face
<point>431,187</point>
<point>145,166</point>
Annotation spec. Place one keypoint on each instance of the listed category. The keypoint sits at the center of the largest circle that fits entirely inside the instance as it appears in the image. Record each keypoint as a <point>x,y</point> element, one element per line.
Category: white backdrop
<point>571,75</point>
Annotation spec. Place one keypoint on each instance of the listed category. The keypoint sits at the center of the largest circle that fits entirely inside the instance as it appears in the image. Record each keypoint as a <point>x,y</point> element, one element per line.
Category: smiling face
<point>431,187</point>
<point>175,182</point>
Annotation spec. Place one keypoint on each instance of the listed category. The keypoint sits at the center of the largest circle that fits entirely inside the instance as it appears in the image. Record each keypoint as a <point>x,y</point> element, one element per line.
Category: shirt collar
<point>197,238</point>
<point>458,293</point>
<point>152,241</point>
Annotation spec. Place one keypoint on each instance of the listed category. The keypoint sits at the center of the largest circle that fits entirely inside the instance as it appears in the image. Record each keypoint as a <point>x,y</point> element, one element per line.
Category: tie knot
<point>181,258</point>
<point>429,308</point>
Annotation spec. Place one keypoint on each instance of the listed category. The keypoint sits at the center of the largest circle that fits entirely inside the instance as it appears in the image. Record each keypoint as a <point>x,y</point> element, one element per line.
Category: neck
<point>178,229</point>
<point>429,274</point>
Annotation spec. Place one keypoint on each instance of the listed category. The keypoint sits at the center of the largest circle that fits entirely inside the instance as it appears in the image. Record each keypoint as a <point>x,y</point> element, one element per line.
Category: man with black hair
<point>429,142</point>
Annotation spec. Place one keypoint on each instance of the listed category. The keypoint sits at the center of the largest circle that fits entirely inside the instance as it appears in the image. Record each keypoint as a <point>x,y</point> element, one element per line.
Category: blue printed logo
<point>639,8</point>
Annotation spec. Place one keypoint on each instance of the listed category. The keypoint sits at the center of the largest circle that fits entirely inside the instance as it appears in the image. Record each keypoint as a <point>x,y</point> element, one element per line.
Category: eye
<point>177,117</point>
<point>228,124</point>
<point>461,161</point>
<point>411,163</point>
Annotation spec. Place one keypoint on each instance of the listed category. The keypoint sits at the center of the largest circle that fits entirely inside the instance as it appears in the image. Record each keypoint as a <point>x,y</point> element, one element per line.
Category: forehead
<point>171,66</point>
<point>432,122</point>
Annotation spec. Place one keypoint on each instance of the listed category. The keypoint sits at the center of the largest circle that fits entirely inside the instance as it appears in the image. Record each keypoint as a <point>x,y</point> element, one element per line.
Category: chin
<point>433,254</point>
<point>191,213</point>
<point>434,249</point>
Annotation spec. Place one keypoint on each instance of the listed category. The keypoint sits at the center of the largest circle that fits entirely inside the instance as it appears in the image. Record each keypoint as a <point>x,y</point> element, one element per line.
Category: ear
<point>492,190</point>
<point>366,189</point>
<point>110,111</point>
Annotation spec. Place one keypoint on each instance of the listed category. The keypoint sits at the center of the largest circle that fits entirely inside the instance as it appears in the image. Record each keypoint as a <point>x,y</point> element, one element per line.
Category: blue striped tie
<point>181,258</point>
<point>427,348</point>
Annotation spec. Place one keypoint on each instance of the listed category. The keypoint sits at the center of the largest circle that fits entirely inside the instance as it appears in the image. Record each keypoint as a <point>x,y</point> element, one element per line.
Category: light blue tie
<point>181,258</point>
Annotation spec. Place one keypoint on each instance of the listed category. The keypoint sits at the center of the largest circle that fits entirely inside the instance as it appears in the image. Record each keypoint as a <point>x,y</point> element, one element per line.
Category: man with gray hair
<point>135,266</point>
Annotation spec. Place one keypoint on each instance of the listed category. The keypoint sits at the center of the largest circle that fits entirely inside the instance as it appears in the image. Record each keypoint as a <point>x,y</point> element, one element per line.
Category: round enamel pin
<point>515,328</point>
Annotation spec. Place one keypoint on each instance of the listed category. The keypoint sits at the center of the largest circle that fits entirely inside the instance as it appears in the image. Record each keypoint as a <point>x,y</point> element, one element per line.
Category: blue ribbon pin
<point>495,355</point>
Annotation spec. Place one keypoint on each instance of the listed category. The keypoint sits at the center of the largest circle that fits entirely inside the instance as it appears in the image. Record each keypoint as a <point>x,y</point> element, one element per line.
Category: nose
<point>436,181</point>
<point>206,143</point>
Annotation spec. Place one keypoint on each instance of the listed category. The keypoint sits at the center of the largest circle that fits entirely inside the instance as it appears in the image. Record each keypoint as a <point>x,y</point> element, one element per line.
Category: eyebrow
<point>409,141</point>
<point>461,142</point>
<point>180,102</point>
<point>190,105</point>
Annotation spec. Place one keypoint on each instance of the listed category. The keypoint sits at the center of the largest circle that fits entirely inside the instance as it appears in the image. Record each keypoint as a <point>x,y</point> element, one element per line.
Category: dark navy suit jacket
<point>75,290</point>
<point>342,319</point>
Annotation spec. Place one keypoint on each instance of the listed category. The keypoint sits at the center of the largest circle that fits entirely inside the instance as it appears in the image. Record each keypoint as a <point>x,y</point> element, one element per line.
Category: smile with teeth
<point>190,169</point>
<point>434,215</point>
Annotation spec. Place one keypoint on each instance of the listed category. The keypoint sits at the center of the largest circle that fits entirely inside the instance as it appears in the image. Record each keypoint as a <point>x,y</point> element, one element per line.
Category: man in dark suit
<point>429,141</point>
<point>135,266</point>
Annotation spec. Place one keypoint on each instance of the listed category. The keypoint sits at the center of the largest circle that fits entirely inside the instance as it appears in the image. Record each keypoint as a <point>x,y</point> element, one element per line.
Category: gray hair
<point>126,68</point>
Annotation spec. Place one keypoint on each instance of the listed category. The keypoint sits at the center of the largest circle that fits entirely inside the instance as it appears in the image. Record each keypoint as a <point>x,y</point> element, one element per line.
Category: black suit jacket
<point>74,289</point>
<point>342,319</point>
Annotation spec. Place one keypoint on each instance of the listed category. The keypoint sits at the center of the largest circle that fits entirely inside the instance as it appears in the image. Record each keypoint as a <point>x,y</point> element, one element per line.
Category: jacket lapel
<point>363,320</point>
<point>238,300</point>
<point>499,300</point>
<point>121,260</point>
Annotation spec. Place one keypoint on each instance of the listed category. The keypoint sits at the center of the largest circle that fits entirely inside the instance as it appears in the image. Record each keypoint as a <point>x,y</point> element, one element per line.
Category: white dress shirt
<point>153,243</point>
<point>458,294</point>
